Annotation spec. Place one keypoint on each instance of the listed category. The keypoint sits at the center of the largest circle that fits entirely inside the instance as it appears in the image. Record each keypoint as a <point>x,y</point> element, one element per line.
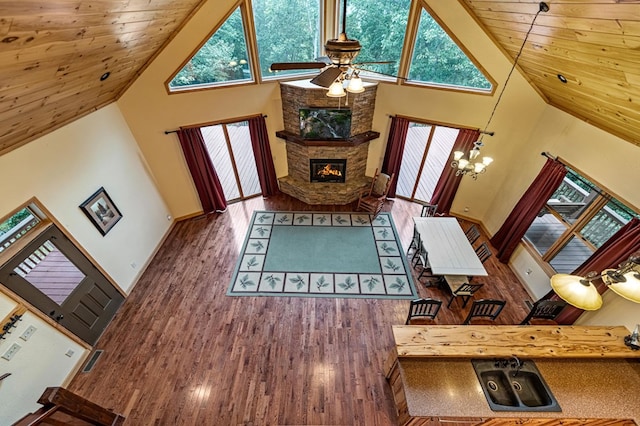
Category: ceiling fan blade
<point>327,77</point>
<point>282,66</point>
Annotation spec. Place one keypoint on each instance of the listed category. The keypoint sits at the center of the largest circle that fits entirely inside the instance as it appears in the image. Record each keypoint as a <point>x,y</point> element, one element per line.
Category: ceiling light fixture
<point>467,166</point>
<point>582,293</point>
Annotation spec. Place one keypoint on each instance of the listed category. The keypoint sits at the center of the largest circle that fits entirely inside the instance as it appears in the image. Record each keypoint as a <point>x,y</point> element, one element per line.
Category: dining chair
<point>465,292</point>
<point>415,243</point>
<point>544,312</point>
<point>422,260</point>
<point>472,234</point>
<point>423,311</point>
<point>484,252</point>
<point>428,210</point>
<point>485,309</point>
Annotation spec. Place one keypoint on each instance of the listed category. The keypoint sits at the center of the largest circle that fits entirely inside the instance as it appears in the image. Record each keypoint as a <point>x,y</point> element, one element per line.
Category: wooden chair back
<point>472,234</point>
<point>546,310</point>
<point>489,309</point>
<point>423,309</point>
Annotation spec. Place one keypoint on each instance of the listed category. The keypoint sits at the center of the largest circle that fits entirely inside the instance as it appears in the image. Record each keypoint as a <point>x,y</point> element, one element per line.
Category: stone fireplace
<point>306,158</point>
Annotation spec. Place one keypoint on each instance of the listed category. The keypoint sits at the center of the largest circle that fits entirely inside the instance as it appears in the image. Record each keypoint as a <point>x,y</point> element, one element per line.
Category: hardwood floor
<point>180,352</point>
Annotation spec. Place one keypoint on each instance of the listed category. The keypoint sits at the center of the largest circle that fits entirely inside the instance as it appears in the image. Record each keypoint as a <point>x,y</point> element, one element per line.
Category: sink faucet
<point>516,364</point>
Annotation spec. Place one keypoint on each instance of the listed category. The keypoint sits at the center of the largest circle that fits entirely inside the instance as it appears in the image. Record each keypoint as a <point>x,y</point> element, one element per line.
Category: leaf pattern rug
<point>315,254</point>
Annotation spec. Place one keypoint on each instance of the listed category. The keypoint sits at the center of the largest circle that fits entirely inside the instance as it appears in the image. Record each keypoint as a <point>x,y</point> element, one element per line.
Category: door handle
<point>57,318</point>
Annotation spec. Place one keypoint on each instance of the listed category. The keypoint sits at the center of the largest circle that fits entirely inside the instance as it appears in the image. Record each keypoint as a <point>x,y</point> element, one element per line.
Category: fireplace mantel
<point>352,141</point>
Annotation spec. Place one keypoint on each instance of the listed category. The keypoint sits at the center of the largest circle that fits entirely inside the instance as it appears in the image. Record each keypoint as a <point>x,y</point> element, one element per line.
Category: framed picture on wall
<point>100,209</point>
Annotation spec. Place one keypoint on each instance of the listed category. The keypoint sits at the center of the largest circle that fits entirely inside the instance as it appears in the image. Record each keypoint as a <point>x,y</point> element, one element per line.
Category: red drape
<point>202,171</point>
<point>262,153</point>
<point>448,183</point>
<point>523,214</point>
<point>395,149</point>
<point>613,252</point>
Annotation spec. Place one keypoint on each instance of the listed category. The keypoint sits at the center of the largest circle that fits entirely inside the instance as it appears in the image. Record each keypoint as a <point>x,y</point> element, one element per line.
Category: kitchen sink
<point>514,385</point>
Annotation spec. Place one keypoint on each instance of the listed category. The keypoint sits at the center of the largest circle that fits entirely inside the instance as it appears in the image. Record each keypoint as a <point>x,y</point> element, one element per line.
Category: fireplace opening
<point>327,170</point>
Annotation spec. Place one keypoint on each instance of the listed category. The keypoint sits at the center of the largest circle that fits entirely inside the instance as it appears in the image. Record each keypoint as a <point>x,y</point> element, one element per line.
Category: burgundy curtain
<point>523,214</point>
<point>395,149</point>
<point>262,153</point>
<point>448,182</point>
<point>612,253</point>
<point>202,171</point>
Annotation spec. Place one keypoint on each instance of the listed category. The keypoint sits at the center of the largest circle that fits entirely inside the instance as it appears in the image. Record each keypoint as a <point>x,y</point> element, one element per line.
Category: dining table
<point>450,253</point>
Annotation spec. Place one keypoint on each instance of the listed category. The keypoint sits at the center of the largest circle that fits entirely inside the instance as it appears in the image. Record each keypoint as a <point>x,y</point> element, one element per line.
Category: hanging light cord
<point>543,8</point>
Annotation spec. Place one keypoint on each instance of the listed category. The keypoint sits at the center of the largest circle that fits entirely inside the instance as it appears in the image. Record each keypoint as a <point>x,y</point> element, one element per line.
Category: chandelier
<point>469,165</point>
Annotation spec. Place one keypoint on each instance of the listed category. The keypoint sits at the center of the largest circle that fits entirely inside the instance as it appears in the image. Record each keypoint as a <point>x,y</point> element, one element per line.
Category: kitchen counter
<point>583,388</point>
<point>589,370</point>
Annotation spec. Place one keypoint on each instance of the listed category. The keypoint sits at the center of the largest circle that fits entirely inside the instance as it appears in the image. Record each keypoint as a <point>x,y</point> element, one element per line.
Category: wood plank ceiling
<point>594,44</point>
<point>53,53</point>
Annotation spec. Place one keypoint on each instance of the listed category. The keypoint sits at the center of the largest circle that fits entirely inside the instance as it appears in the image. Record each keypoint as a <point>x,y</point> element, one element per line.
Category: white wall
<point>609,161</point>
<point>65,167</point>
<point>62,169</point>
<point>40,362</point>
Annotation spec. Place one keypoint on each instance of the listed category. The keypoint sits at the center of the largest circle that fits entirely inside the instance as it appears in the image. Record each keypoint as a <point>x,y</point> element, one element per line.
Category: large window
<point>577,219</point>
<point>380,28</point>
<point>292,31</point>
<point>287,31</point>
<point>17,225</point>
<point>437,59</point>
<point>222,59</point>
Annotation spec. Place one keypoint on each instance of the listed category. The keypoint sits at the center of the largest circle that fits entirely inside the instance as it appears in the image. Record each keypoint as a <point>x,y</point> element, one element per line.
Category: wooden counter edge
<point>469,341</point>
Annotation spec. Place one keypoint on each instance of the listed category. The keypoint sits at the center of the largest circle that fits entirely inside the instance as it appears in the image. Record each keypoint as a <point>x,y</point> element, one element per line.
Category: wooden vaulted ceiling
<point>593,44</point>
<point>53,53</point>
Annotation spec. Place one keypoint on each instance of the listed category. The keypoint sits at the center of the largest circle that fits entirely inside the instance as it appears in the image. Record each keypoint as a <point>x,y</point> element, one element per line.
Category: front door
<point>55,276</point>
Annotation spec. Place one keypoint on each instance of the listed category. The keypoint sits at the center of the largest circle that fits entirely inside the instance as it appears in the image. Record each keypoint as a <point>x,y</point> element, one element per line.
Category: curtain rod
<point>436,123</point>
<point>166,132</point>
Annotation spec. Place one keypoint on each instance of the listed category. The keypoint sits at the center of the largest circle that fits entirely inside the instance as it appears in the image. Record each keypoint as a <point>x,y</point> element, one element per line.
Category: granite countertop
<point>584,388</point>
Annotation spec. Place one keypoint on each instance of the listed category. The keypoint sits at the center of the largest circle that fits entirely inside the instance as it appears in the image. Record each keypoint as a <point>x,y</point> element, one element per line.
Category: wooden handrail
<point>60,399</point>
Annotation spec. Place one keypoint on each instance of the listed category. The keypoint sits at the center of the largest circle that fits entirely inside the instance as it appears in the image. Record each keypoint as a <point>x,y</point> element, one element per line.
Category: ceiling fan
<point>338,63</point>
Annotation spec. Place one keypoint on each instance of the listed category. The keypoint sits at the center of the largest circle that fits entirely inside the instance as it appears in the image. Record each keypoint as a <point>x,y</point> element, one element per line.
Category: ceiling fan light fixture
<point>355,85</point>
<point>336,90</point>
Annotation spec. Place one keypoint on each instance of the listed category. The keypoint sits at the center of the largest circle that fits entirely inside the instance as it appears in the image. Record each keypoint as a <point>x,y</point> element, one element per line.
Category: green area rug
<point>322,255</point>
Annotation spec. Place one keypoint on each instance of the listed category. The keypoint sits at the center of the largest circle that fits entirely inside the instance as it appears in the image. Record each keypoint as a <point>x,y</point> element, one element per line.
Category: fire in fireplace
<point>327,170</point>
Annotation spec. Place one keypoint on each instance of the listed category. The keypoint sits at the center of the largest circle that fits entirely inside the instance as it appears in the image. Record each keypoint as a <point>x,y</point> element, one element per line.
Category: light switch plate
<point>13,349</point>
<point>28,333</point>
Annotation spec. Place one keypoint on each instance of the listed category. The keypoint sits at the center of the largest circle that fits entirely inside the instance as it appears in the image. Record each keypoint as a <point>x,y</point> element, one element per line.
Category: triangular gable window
<point>438,60</point>
<point>223,58</point>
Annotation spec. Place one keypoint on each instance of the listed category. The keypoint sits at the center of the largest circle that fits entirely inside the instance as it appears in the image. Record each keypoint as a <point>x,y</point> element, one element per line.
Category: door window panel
<point>51,272</point>
<point>229,147</point>
<point>426,153</point>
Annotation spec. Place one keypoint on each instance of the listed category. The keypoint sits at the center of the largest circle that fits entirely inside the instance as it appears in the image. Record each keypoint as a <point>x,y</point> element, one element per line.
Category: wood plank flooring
<point>180,352</point>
